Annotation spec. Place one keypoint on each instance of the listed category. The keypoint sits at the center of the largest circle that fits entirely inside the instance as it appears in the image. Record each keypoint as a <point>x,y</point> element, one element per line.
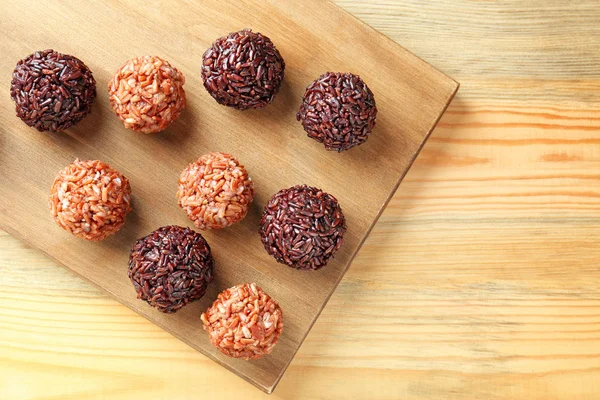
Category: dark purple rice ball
<point>302,227</point>
<point>243,70</point>
<point>171,267</point>
<point>52,91</point>
<point>338,110</point>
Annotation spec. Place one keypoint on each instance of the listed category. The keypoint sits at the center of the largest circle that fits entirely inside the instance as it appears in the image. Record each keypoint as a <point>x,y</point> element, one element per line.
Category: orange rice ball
<point>147,94</point>
<point>215,191</point>
<point>90,199</point>
<point>244,322</point>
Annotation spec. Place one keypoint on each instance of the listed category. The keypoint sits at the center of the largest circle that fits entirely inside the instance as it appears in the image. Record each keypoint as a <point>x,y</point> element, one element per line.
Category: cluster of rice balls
<point>243,70</point>
<point>301,226</point>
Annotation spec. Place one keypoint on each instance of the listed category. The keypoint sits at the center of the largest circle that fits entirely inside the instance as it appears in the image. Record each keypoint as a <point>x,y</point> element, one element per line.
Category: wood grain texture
<point>269,142</point>
<point>483,270</point>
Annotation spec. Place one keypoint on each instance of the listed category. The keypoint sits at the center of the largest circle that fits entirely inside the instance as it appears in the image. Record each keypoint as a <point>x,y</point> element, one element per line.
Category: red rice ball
<point>171,267</point>
<point>147,94</point>
<point>338,110</point>
<point>90,199</point>
<point>52,91</point>
<point>243,70</point>
<point>302,227</point>
<point>244,322</point>
<point>215,191</point>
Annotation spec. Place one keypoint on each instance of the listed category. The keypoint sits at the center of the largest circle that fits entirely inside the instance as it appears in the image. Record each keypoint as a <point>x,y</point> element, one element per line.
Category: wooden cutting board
<point>313,37</point>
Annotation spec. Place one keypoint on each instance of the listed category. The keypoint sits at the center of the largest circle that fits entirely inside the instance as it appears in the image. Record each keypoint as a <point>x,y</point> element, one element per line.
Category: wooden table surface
<point>481,280</point>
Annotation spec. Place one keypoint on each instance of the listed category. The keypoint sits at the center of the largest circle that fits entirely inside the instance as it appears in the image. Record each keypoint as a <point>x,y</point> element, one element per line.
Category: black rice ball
<point>52,91</point>
<point>302,227</point>
<point>243,70</point>
<point>338,110</point>
<point>171,267</point>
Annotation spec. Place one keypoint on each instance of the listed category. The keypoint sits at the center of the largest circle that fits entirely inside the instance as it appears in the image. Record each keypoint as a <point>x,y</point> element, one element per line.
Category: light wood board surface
<point>480,281</point>
<point>313,37</point>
